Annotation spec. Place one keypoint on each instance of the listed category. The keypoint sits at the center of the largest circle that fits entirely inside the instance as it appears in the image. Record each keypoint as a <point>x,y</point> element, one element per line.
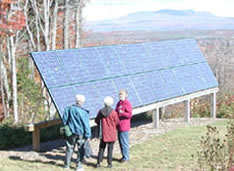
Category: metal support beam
<point>213,105</point>
<point>173,100</point>
<point>187,110</point>
<point>156,118</point>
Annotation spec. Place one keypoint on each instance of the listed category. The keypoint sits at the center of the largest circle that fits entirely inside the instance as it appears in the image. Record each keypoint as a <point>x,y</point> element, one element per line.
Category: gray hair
<point>108,101</point>
<point>124,91</point>
<point>80,99</point>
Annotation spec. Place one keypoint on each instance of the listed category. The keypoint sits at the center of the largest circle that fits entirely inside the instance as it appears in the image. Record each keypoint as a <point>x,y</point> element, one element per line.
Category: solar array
<point>151,72</point>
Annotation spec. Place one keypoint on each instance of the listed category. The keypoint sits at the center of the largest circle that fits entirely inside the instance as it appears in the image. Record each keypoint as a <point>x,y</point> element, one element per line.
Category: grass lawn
<point>171,151</point>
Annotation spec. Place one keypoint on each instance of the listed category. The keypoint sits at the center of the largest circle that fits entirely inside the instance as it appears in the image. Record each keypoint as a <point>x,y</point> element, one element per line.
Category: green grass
<point>171,151</point>
<point>19,165</point>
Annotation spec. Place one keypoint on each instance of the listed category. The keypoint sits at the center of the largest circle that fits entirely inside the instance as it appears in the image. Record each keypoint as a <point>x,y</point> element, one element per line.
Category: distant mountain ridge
<point>163,20</point>
<point>183,12</point>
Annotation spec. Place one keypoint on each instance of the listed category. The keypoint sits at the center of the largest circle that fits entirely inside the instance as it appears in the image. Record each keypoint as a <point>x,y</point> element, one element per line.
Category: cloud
<point>217,7</point>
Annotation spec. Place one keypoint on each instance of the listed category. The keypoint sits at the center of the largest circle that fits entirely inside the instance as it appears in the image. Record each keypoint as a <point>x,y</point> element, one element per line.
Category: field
<point>172,150</point>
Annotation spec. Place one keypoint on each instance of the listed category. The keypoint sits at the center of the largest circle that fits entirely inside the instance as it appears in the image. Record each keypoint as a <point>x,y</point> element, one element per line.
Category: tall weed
<point>216,151</point>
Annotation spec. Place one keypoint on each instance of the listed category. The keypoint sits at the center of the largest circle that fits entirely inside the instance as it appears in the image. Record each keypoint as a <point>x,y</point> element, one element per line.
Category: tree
<point>45,32</point>
<point>39,27</point>
<point>11,21</point>
<point>73,10</point>
<point>66,25</point>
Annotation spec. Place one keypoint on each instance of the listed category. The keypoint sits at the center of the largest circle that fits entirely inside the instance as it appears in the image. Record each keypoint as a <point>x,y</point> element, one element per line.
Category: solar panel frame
<point>151,72</point>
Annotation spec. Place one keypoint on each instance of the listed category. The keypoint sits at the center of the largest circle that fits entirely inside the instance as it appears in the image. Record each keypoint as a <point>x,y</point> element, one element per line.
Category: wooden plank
<point>36,139</point>
<point>48,123</point>
<point>43,124</point>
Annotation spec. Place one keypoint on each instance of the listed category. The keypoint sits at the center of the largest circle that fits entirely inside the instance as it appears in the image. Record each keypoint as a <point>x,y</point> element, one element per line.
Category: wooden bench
<point>35,129</point>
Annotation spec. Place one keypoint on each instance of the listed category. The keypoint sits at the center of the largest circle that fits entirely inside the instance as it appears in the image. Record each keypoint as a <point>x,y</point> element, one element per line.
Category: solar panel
<point>158,86</point>
<point>92,104</point>
<point>171,83</point>
<point>151,72</point>
<point>143,88</point>
<point>126,83</point>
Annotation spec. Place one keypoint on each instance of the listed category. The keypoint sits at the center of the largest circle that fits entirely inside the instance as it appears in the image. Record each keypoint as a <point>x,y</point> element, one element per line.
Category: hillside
<point>163,20</point>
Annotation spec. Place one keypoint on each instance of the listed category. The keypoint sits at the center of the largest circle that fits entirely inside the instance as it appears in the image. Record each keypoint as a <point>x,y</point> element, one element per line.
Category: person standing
<point>77,118</point>
<point>107,120</point>
<point>124,110</point>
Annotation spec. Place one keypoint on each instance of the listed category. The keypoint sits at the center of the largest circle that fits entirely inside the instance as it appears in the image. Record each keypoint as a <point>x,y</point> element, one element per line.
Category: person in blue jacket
<point>77,118</point>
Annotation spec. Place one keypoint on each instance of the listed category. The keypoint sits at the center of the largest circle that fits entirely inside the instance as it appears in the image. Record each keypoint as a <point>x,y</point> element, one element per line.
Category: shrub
<point>217,153</point>
<point>15,136</point>
<point>230,142</point>
<point>213,154</point>
<point>225,106</point>
<point>200,107</point>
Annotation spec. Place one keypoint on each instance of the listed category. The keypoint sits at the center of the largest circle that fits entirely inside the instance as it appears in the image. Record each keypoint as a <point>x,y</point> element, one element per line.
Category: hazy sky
<point>106,9</point>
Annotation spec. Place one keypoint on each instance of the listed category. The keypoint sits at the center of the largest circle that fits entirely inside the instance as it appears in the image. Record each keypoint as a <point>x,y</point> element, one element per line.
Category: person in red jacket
<point>107,120</point>
<point>124,110</point>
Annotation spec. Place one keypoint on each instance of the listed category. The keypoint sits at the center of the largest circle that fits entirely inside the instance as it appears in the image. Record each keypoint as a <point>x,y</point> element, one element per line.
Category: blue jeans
<point>70,145</point>
<point>124,144</point>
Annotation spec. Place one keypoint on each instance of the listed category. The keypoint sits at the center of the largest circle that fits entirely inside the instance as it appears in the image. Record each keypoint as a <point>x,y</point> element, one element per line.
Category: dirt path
<point>54,151</point>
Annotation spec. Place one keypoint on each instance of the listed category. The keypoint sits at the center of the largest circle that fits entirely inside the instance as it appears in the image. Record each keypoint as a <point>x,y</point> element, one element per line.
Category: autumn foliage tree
<point>26,26</point>
<point>12,20</point>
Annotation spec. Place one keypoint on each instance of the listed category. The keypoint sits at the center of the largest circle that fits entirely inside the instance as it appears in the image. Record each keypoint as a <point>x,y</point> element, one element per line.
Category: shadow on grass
<point>44,146</point>
<point>17,158</point>
<point>54,158</point>
<point>91,164</point>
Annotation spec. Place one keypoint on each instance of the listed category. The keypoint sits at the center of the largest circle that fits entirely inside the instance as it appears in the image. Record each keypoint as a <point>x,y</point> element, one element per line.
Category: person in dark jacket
<point>107,120</point>
<point>124,110</point>
<point>77,119</point>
